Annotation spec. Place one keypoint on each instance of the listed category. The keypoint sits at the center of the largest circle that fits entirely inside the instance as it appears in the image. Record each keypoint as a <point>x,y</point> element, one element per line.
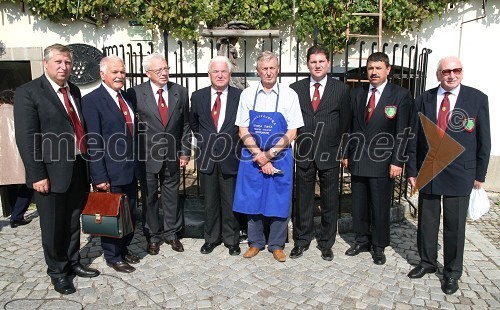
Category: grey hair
<point>221,59</point>
<point>267,56</point>
<point>146,62</point>
<point>103,65</point>
<point>440,62</point>
<point>47,52</point>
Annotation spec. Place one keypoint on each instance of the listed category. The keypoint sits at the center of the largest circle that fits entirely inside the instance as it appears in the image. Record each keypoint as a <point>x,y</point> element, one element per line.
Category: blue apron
<point>258,193</point>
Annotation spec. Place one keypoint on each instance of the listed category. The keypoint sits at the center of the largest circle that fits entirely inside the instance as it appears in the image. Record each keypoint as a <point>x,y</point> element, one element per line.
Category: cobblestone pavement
<point>191,280</point>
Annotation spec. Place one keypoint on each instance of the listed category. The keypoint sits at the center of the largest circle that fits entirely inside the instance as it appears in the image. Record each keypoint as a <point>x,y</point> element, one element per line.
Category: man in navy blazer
<point>53,156</point>
<point>114,166</point>
<point>376,155</point>
<point>464,111</point>
<point>212,119</point>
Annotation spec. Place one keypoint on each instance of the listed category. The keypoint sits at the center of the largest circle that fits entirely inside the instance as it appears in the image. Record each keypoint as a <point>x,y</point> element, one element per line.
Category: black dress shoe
<point>63,285</point>
<point>298,250</point>
<point>356,249</point>
<point>234,250</point>
<point>15,223</point>
<point>208,247</point>
<point>132,258</point>
<point>176,245</point>
<point>420,271</point>
<point>326,254</point>
<point>85,272</point>
<point>121,266</point>
<point>378,258</point>
<point>449,286</point>
<point>153,248</point>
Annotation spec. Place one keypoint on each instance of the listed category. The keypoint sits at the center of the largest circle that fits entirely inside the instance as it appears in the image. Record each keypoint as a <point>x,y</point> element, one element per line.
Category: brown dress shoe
<point>153,248</point>
<point>251,252</point>
<point>176,245</point>
<point>121,266</point>
<point>279,255</point>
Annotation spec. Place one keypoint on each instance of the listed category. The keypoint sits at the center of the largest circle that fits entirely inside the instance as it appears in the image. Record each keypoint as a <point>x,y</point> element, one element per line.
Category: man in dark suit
<point>114,166</point>
<point>212,119</point>
<point>376,155</point>
<point>50,139</point>
<point>325,107</point>
<point>163,109</point>
<point>460,112</point>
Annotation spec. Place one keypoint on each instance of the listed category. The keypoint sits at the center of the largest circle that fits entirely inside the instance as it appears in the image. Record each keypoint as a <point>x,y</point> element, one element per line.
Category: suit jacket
<point>223,146</point>
<point>111,148</point>
<point>159,144</point>
<point>44,133</point>
<point>457,179</point>
<point>319,139</point>
<point>373,148</point>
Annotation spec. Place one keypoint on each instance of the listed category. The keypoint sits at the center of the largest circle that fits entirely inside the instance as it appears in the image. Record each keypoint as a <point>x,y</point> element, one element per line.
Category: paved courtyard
<point>192,280</point>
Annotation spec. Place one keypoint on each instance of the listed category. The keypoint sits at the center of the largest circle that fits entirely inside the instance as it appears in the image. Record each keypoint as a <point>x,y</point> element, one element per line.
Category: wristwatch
<point>274,152</point>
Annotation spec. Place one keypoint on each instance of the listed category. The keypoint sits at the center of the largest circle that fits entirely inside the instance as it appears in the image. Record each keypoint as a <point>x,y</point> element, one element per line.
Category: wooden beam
<point>240,33</point>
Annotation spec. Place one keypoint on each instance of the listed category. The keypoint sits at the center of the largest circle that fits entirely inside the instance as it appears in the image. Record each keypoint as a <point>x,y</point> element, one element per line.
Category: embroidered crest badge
<point>470,124</point>
<point>390,111</point>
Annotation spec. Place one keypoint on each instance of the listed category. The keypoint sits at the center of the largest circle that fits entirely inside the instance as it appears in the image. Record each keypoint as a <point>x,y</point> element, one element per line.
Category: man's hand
<point>395,171</point>
<point>103,187</point>
<point>477,184</point>
<point>183,161</point>
<point>345,163</point>
<point>268,169</point>
<point>261,159</point>
<point>413,181</point>
<point>42,186</point>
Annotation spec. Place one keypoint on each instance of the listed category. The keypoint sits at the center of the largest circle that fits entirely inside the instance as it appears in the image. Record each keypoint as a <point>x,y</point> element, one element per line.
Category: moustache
<point>374,76</point>
<point>118,80</point>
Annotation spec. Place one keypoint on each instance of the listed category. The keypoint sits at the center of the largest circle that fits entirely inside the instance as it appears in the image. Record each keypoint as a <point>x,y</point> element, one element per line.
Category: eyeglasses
<point>159,71</point>
<point>449,71</point>
<point>216,72</point>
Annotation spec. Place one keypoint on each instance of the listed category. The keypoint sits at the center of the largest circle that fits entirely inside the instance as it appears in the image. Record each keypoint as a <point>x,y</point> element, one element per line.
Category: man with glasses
<point>163,110</point>
<point>212,118</point>
<point>460,113</point>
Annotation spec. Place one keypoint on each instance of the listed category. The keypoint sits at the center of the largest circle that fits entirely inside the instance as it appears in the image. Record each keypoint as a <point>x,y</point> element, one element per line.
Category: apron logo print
<point>390,111</point>
<point>470,124</point>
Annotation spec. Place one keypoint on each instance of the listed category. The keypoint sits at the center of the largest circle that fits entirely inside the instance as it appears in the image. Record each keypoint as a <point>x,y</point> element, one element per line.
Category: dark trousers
<point>166,229</point>
<point>303,222</point>
<point>220,220</point>
<point>115,249</point>
<point>371,207</point>
<point>454,219</point>
<point>278,231</point>
<point>60,223</point>
<point>19,199</point>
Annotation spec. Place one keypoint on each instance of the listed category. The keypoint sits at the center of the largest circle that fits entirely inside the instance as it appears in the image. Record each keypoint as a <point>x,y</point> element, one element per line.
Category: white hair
<point>103,65</point>
<point>453,58</point>
<point>146,62</point>
<point>221,59</point>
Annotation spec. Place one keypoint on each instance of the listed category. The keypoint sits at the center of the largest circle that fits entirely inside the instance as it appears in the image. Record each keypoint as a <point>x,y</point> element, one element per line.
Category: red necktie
<point>444,111</point>
<point>216,110</point>
<point>316,98</point>
<point>370,107</point>
<point>162,107</point>
<point>126,114</point>
<point>77,125</point>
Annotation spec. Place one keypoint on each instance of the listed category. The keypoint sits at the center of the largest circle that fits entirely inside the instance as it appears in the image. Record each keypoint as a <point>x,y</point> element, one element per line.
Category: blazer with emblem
<point>111,147</point>
<point>44,133</point>
<point>159,144</point>
<point>223,146</point>
<point>457,179</point>
<point>319,139</point>
<point>374,147</point>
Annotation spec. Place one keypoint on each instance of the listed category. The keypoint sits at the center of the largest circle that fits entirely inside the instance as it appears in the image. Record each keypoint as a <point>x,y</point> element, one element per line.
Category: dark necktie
<point>77,125</point>
<point>370,107</point>
<point>316,98</point>
<point>444,111</point>
<point>216,110</point>
<point>162,107</point>
<point>126,114</point>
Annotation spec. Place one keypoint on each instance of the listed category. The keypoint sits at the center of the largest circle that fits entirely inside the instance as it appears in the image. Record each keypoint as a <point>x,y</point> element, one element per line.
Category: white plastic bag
<point>478,204</point>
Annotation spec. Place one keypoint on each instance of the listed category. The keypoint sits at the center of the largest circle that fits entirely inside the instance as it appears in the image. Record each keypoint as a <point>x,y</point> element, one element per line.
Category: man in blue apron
<point>268,116</point>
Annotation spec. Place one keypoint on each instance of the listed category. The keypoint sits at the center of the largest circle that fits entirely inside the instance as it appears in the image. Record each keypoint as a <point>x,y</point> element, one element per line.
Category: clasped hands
<point>264,161</point>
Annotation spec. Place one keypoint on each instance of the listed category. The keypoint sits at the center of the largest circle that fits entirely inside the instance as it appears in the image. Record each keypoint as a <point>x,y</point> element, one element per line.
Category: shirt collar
<point>454,91</point>
<point>155,88</point>
<point>322,82</point>
<point>113,93</point>
<point>275,88</point>
<point>214,92</point>
<point>380,89</point>
<point>54,85</point>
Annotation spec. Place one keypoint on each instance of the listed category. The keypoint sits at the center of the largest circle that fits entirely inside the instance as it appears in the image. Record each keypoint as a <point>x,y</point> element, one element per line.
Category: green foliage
<point>183,18</point>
